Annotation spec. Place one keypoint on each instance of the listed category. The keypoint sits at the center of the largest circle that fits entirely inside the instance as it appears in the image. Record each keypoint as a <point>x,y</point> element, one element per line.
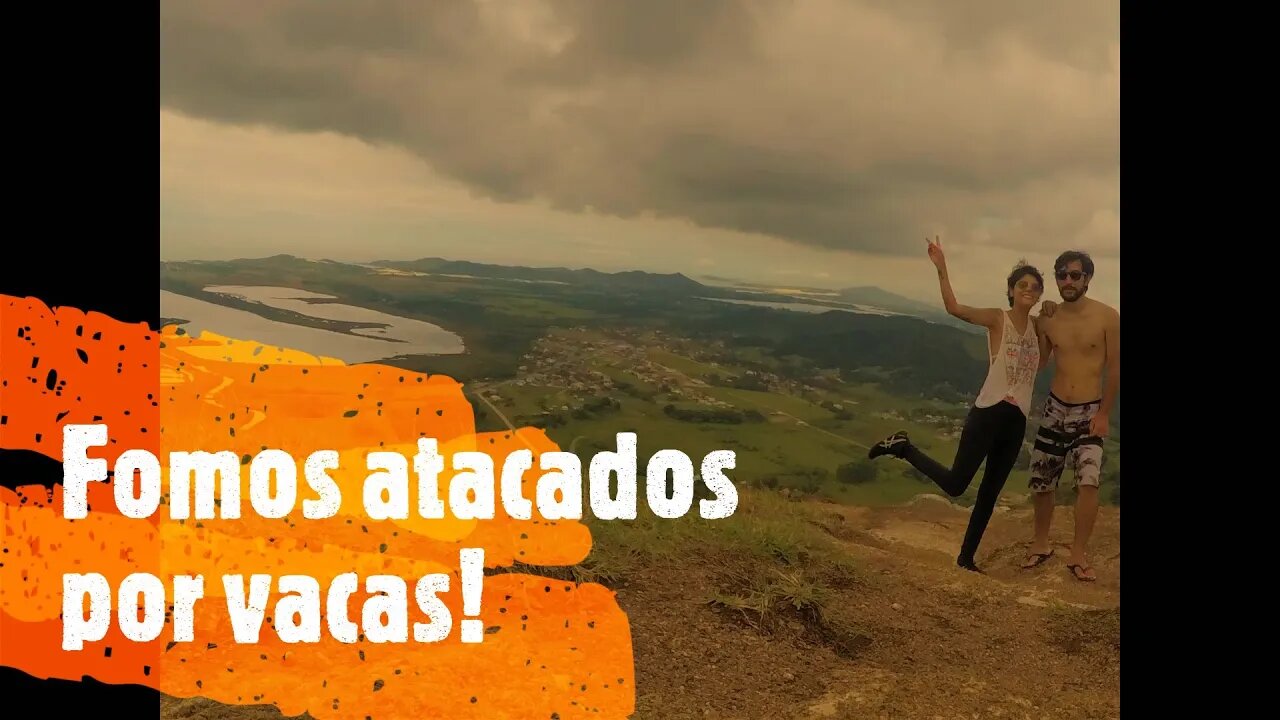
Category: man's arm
<point>1112,388</point>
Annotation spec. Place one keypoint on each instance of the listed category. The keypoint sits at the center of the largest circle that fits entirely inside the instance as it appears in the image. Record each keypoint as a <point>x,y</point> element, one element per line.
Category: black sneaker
<point>892,445</point>
<point>968,564</point>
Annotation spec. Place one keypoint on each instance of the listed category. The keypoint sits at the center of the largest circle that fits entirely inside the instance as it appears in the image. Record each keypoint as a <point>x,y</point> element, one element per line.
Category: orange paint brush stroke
<point>552,647</point>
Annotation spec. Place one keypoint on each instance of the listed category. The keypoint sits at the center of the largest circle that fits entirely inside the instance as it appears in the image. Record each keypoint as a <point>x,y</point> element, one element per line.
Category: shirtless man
<point>1084,335</point>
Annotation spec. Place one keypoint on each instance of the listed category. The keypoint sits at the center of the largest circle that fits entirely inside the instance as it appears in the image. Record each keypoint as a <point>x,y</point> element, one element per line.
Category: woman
<point>997,420</point>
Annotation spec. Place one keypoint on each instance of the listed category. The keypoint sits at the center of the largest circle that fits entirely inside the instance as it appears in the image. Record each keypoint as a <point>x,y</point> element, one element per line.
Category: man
<point>1084,336</point>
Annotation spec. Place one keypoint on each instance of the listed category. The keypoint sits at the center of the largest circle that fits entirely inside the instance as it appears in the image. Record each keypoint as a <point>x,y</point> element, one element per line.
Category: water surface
<point>809,307</point>
<point>400,336</point>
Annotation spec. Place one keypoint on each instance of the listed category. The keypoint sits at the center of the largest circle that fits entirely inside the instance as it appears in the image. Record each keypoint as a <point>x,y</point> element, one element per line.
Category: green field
<point>885,374</point>
<point>688,366</point>
<point>799,445</point>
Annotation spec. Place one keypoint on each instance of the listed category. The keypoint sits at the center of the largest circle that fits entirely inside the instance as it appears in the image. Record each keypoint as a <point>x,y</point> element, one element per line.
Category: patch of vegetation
<point>771,564</point>
<point>857,472</point>
<point>1074,629</point>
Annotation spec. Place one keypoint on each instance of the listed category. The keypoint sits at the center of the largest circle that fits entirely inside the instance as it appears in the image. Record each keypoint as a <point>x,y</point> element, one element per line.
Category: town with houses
<point>585,365</point>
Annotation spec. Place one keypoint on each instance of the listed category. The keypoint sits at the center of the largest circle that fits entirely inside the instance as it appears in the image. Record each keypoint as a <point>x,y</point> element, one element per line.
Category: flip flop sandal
<point>1039,559</point>
<point>1077,571</point>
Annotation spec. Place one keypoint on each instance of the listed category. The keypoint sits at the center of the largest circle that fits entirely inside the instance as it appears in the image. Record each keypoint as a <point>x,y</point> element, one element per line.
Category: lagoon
<point>400,336</point>
<point>809,307</point>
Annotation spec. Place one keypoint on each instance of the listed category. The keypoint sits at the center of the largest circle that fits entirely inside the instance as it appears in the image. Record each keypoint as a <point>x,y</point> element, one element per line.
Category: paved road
<point>494,408</point>
<point>506,421</point>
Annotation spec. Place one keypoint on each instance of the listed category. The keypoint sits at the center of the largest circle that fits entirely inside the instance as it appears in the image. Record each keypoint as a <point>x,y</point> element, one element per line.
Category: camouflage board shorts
<point>1064,440</point>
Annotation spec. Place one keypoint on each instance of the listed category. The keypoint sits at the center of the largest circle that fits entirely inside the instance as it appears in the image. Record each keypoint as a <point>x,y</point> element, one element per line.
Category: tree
<point>857,472</point>
<point>916,475</point>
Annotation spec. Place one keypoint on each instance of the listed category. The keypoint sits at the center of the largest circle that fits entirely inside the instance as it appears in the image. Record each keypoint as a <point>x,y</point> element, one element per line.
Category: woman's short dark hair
<point>1019,270</point>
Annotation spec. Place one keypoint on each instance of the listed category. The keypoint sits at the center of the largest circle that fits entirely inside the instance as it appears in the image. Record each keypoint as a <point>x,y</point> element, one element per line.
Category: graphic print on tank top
<point>1013,366</point>
<point>1021,357</point>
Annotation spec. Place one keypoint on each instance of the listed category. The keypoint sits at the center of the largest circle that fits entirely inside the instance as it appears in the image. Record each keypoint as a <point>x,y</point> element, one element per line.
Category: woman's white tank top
<point>1012,371</point>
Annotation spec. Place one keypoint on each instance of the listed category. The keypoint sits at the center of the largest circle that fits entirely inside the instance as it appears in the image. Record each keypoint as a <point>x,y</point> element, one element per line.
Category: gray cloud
<point>854,125</point>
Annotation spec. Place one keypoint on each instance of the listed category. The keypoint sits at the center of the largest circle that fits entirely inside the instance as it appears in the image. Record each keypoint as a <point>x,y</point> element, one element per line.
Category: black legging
<point>993,434</point>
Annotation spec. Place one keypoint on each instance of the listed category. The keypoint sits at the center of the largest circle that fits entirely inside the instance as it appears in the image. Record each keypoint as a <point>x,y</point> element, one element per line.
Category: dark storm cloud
<point>853,125</point>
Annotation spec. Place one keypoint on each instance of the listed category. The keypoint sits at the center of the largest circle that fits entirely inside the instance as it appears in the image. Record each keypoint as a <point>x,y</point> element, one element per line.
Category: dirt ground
<point>922,638</point>
<point>939,642</point>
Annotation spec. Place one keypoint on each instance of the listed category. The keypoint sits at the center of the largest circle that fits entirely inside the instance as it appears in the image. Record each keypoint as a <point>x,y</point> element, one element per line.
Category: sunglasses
<point>1073,274</point>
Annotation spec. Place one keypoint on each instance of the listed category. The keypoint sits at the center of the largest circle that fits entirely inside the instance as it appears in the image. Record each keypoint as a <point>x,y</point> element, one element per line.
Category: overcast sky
<point>798,142</point>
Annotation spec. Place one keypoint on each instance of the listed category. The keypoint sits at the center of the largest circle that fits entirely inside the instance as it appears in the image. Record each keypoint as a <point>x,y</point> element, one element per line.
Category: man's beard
<point>1078,294</point>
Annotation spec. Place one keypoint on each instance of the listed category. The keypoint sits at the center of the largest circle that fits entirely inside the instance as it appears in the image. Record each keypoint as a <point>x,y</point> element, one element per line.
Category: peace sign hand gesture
<point>935,253</point>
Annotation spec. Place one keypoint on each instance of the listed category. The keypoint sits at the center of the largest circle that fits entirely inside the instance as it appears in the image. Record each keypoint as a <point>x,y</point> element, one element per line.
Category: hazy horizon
<point>694,275</point>
<point>704,278</point>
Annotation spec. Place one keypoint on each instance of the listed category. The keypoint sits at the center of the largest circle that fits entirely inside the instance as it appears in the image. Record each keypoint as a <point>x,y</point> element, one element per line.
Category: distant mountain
<point>870,295</point>
<point>718,278</point>
<point>287,268</point>
<point>867,295</point>
<point>636,280</point>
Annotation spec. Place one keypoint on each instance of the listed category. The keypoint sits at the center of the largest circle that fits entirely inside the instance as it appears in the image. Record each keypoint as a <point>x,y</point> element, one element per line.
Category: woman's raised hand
<point>935,252</point>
